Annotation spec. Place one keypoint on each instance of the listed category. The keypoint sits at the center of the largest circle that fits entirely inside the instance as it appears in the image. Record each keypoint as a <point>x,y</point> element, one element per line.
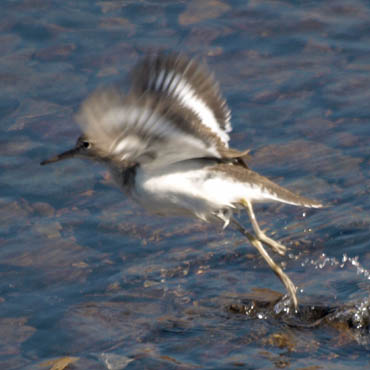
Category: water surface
<point>90,281</point>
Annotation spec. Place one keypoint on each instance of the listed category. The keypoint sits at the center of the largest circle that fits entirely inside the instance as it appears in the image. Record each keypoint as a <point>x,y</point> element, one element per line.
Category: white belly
<point>187,189</point>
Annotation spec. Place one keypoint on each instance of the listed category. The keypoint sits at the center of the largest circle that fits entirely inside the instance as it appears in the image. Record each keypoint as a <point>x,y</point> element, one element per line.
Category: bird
<point>166,144</point>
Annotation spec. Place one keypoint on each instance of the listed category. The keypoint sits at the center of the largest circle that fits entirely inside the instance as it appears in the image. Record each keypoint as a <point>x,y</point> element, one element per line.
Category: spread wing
<point>188,83</point>
<point>174,112</point>
<point>144,129</point>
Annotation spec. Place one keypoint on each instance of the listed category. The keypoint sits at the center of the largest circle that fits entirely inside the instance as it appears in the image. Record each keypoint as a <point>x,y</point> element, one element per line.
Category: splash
<point>345,261</point>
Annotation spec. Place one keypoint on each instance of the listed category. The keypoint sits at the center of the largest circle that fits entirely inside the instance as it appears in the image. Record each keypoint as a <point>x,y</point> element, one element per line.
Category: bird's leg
<point>276,268</point>
<point>276,247</point>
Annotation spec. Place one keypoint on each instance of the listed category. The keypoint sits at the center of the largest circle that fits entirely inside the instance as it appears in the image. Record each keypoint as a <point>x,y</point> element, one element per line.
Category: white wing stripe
<point>149,123</point>
<point>167,83</point>
<point>160,79</point>
<point>183,91</point>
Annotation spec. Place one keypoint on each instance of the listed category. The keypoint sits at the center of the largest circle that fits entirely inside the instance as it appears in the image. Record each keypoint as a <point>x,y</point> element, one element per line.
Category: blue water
<point>88,277</point>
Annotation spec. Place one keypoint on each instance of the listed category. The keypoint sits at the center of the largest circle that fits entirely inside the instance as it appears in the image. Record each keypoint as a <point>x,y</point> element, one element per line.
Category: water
<point>89,279</point>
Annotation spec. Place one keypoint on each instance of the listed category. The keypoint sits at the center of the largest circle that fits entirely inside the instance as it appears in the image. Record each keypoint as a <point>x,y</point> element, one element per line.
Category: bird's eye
<point>86,144</point>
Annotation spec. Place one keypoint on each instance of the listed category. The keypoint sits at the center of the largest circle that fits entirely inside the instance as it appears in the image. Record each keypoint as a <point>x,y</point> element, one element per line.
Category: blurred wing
<point>145,129</point>
<point>190,85</point>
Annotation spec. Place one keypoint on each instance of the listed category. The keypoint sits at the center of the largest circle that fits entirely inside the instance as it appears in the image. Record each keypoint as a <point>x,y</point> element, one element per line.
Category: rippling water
<point>90,281</point>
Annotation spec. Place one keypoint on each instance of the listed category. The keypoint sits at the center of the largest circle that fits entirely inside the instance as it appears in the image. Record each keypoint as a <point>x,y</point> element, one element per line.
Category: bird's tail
<point>278,193</point>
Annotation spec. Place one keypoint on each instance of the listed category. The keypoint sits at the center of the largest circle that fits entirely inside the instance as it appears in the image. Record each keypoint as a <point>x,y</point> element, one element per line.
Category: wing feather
<point>144,129</point>
<point>189,84</point>
<point>174,112</point>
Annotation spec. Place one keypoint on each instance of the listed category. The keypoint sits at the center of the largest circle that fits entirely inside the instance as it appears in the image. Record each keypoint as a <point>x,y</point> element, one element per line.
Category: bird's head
<point>103,125</point>
<point>84,148</point>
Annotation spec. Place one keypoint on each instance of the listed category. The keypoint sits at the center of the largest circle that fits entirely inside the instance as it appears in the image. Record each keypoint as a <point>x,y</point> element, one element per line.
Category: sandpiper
<point>166,145</point>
